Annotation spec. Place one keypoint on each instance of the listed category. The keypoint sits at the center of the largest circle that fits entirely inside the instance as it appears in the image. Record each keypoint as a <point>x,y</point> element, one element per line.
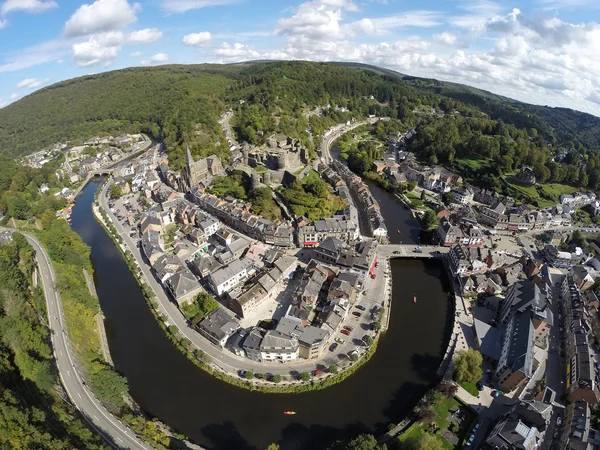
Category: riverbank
<point>196,355</point>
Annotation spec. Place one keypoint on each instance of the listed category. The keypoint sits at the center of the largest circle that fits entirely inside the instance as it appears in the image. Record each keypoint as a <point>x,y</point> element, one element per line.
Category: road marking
<point>120,439</point>
<point>61,353</point>
<point>69,372</point>
<point>79,395</point>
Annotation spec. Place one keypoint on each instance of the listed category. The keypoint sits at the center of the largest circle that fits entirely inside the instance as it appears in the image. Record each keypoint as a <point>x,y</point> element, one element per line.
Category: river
<point>220,416</point>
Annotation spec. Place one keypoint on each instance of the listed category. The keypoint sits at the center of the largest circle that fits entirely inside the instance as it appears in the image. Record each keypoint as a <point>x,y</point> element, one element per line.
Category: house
<point>459,259</point>
<point>218,326</point>
<point>463,195</point>
<point>223,236</point>
<point>228,277</point>
<point>522,427</point>
<point>276,346</point>
<point>515,364</point>
<point>74,178</point>
<point>526,175</point>
<point>184,286</point>
<point>449,234</point>
<point>209,226</point>
<point>529,298</point>
<point>582,278</point>
<point>152,246</point>
<point>578,433</point>
<point>581,381</point>
<point>556,257</point>
<point>150,221</point>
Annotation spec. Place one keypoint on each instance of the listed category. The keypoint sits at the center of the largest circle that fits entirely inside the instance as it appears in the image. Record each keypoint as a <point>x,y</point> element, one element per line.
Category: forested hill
<point>181,104</point>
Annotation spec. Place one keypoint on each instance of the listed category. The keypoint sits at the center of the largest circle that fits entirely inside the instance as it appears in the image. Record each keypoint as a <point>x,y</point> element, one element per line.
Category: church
<point>199,171</point>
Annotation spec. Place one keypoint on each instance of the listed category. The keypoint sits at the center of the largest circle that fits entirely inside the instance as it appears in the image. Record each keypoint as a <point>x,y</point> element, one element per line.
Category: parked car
<point>479,385</point>
<point>348,327</point>
<point>558,421</point>
<point>333,347</point>
<point>356,313</point>
<point>346,332</point>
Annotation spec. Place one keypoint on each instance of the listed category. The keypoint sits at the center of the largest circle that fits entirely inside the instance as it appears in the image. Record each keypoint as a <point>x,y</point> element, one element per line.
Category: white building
<point>209,226</point>
<point>227,277</point>
<point>463,195</point>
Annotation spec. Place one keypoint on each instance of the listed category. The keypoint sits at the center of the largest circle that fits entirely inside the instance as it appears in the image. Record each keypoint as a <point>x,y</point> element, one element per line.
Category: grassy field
<point>471,388</point>
<point>546,194</point>
<point>471,163</point>
<point>442,410</point>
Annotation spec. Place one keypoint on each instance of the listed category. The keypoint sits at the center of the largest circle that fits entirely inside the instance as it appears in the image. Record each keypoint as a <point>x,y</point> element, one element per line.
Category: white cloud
<point>101,48</point>
<point>197,39</point>
<point>156,59</point>
<point>3,23</point>
<point>15,95</point>
<point>35,55</point>
<point>136,54</point>
<point>180,6</point>
<point>236,52</point>
<point>30,83</point>
<point>32,6</point>
<point>144,36</point>
<point>100,16</point>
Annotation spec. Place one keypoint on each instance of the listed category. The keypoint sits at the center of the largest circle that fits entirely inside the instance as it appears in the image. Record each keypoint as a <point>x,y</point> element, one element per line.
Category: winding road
<point>108,426</point>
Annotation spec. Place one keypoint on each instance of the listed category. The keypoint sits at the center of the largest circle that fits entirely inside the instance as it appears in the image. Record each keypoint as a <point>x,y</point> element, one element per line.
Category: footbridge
<point>411,251</point>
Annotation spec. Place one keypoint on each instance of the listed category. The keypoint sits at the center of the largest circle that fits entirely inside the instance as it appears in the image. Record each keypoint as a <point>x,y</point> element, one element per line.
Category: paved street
<point>108,426</point>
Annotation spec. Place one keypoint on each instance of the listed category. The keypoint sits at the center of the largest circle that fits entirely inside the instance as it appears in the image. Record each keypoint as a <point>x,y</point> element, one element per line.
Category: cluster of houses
<point>366,201</point>
<point>320,303</point>
<point>237,214</point>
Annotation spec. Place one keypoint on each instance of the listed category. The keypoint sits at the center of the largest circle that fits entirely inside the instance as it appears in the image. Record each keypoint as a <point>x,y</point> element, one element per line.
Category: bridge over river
<point>411,251</point>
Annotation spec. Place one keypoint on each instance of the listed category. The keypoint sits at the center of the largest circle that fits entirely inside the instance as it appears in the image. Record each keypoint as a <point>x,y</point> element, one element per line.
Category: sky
<point>544,52</point>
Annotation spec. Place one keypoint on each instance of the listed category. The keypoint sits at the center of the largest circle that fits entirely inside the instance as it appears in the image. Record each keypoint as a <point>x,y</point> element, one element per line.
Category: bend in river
<point>221,416</point>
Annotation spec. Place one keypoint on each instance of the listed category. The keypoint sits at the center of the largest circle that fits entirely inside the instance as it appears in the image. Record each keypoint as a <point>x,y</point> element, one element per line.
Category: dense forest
<point>32,412</point>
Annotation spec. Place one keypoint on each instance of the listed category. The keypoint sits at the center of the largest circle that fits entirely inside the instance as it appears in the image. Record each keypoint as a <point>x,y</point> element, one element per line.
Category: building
<point>529,298</point>
<point>449,234</point>
<point>578,433</point>
<point>199,171</point>
<point>521,428</point>
<point>526,175</point>
<point>228,277</point>
<point>515,365</point>
<point>152,246</point>
<point>276,346</point>
<point>218,326</point>
<point>556,257</point>
<point>463,195</point>
<point>581,381</point>
<point>183,286</point>
<point>312,235</point>
<point>459,259</point>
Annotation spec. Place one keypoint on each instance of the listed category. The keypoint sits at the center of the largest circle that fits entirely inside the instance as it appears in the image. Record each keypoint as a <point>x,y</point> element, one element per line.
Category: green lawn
<point>471,388</point>
<point>417,429</point>
<point>472,163</point>
<point>442,411</point>
<point>547,194</point>
<point>311,176</point>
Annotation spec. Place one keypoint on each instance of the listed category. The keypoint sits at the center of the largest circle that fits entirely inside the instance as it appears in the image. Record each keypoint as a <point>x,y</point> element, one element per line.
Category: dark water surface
<point>221,416</point>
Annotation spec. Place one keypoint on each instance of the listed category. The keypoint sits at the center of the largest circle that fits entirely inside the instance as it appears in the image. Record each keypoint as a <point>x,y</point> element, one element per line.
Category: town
<point>301,291</point>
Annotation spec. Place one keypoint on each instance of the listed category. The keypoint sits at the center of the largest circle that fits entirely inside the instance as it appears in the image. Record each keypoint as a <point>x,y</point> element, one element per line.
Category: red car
<point>346,332</point>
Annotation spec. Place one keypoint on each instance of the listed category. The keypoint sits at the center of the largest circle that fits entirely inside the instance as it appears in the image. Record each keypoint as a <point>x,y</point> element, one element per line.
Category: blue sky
<point>539,51</point>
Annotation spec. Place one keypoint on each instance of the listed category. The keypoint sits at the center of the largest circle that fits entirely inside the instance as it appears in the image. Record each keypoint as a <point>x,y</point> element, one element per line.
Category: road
<point>338,130</point>
<point>107,425</point>
<point>224,359</point>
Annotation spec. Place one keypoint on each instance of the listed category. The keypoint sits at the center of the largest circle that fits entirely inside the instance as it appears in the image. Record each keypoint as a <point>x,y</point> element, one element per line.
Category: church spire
<point>188,156</point>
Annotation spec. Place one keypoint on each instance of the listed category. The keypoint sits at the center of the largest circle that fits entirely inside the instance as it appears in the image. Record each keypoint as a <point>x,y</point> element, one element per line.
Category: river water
<point>220,416</point>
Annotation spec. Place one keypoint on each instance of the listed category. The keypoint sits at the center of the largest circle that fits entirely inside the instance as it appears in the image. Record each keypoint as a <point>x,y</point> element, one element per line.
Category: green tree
<point>353,357</point>
<point>368,340</point>
<point>273,447</point>
<point>361,442</point>
<point>423,194</point>
<point>467,366</point>
<point>115,191</point>
<point>332,369</point>
<point>276,378</point>
<point>249,375</point>
<point>430,220</point>
<point>304,376</point>
<point>448,198</point>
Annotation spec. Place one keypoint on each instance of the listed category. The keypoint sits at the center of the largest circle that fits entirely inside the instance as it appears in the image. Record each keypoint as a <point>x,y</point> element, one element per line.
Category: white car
<point>558,421</point>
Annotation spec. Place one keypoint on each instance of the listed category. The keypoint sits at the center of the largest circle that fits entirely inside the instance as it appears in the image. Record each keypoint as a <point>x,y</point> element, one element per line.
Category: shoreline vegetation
<point>259,382</point>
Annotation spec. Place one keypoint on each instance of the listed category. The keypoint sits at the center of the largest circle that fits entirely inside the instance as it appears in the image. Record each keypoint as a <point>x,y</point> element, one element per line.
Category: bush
<point>249,375</point>
<point>276,378</point>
